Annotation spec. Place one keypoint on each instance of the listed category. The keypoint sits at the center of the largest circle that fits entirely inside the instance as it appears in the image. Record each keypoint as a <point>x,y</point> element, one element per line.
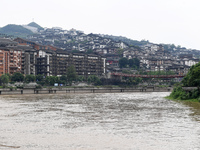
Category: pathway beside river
<point>83,90</point>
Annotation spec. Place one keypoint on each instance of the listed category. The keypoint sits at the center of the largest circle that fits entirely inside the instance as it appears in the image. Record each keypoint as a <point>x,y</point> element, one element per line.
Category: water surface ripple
<point>111,121</point>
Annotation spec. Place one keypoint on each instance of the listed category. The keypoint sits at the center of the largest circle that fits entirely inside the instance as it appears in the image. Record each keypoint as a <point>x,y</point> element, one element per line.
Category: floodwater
<point>111,121</point>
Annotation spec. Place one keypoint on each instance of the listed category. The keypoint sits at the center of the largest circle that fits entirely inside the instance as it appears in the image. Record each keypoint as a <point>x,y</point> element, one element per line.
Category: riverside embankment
<point>8,91</point>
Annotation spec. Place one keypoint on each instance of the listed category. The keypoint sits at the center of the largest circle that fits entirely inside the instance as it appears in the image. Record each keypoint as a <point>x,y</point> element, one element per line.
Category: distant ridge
<point>33,24</point>
<point>15,30</point>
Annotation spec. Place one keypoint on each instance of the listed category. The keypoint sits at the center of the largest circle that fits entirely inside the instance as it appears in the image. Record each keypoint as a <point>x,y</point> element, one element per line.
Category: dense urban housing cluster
<point>28,57</point>
<point>152,57</point>
<point>50,51</point>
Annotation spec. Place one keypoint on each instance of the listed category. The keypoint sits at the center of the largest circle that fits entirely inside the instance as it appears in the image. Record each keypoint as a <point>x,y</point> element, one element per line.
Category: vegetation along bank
<point>189,87</point>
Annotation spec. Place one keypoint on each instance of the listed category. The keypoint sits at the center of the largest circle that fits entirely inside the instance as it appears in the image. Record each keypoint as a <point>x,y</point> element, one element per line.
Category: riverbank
<point>186,100</point>
<point>8,91</point>
<point>180,93</point>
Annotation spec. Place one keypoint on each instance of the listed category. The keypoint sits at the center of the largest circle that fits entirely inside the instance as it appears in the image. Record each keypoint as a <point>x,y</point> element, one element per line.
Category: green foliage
<point>158,73</point>
<point>16,30</point>
<point>38,87</point>
<point>126,71</point>
<point>134,63</point>
<point>33,24</point>
<point>63,79</point>
<point>30,78</point>
<point>39,77</point>
<point>17,77</point>
<point>120,51</point>
<point>50,80</point>
<point>123,62</point>
<point>81,78</point>
<point>94,79</point>
<point>133,81</point>
<point>193,76</point>
<point>76,51</point>
<point>89,51</point>
<point>179,93</point>
<point>9,76</point>
<point>192,79</point>
<point>131,63</point>
<point>4,79</point>
<point>71,74</point>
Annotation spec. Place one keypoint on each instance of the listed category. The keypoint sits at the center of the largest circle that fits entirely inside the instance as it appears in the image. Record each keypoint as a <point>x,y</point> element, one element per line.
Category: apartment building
<point>16,58</point>
<point>56,63</point>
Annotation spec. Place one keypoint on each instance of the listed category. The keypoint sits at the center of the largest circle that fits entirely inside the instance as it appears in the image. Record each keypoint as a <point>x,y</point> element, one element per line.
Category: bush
<point>38,87</point>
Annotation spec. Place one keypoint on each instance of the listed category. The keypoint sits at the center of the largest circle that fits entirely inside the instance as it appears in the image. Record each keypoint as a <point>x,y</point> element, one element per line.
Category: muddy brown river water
<point>116,121</point>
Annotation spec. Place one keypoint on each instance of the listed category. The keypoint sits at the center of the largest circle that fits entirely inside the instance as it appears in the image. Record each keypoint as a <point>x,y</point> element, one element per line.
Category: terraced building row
<point>28,57</point>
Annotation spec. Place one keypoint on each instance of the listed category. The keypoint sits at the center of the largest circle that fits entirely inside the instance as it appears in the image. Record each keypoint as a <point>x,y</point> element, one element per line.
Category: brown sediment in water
<point>1,145</point>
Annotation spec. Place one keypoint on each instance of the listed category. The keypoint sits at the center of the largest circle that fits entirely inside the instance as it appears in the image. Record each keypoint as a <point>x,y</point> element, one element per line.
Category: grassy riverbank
<point>185,100</point>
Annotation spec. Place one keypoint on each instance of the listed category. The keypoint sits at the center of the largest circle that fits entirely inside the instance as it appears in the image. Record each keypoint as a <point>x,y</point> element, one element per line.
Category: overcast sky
<point>159,21</point>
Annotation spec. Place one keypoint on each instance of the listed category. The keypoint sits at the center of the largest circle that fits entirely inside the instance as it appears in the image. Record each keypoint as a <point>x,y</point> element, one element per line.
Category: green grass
<point>187,100</point>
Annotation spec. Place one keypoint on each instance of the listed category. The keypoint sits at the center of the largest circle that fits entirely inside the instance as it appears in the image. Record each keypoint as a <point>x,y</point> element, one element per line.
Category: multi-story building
<point>56,63</point>
<point>9,58</point>
<point>4,63</point>
<point>15,58</point>
<point>29,56</point>
<point>44,63</point>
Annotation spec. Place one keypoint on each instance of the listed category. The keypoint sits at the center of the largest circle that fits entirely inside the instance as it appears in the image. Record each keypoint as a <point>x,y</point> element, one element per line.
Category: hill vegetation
<point>192,79</point>
<point>33,24</point>
<point>15,30</point>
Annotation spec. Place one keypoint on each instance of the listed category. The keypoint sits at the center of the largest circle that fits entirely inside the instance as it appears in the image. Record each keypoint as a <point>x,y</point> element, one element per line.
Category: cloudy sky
<point>159,21</point>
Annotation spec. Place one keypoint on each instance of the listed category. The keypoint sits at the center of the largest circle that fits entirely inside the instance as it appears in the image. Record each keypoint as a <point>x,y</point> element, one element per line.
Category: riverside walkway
<point>146,76</point>
<point>83,90</point>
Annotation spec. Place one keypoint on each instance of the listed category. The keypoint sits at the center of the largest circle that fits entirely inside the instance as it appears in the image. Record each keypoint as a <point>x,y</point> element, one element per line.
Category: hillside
<point>75,38</point>
<point>33,24</point>
<point>126,40</point>
<point>15,30</point>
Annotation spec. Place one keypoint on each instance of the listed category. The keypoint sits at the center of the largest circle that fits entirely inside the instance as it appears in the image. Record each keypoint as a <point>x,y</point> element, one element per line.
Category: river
<point>111,121</point>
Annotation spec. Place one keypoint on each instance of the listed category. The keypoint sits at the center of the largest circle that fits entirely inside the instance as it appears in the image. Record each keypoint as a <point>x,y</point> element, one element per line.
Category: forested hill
<point>15,30</point>
<point>33,24</point>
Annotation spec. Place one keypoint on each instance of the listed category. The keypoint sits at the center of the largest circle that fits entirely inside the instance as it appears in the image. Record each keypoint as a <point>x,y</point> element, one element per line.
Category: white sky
<point>159,21</point>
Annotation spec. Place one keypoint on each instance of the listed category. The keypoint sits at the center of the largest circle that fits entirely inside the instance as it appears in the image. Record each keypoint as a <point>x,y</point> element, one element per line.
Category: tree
<point>50,80</point>
<point>94,79</point>
<point>71,74</point>
<point>192,78</point>
<point>81,78</point>
<point>17,77</point>
<point>30,78</point>
<point>131,63</point>
<point>4,79</point>
<point>63,79</point>
<point>39,77</point>
<point>123,62</point>
<point>89,51</point>
<point>136,62</point>
<point>134,81</point>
